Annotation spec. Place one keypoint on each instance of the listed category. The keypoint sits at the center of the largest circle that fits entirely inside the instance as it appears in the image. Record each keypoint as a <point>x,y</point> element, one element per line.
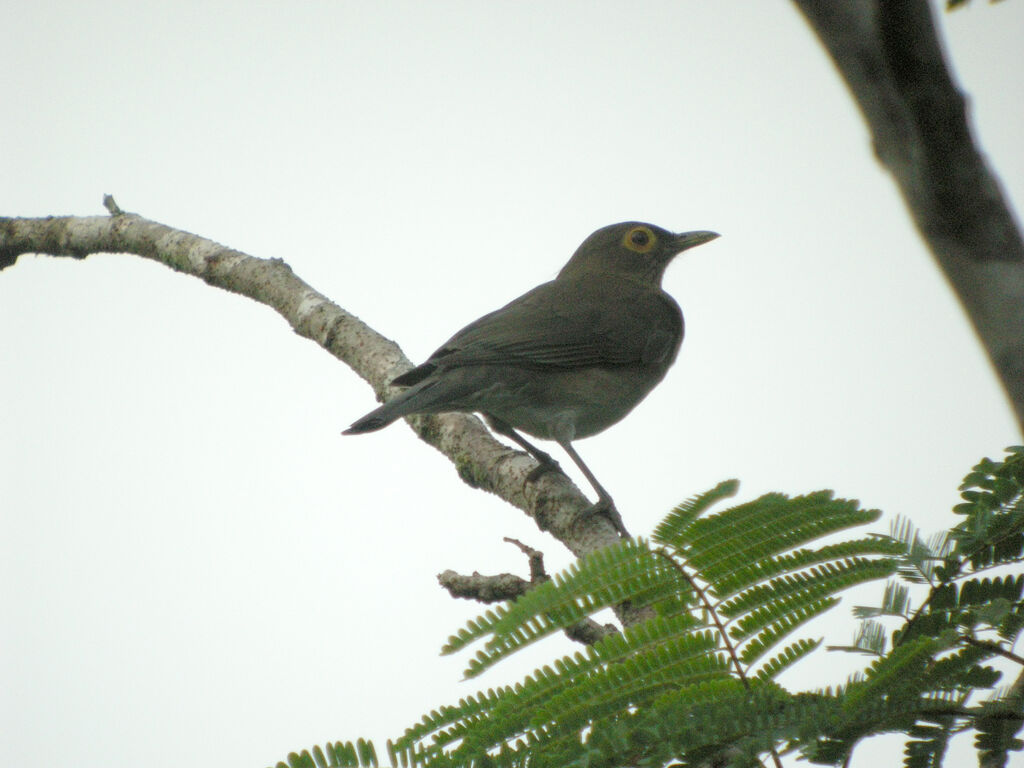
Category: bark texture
<point>554,502</point>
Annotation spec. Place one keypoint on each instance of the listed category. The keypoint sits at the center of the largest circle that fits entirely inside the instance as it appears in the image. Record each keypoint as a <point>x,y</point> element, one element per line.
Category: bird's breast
<point>568,405</point>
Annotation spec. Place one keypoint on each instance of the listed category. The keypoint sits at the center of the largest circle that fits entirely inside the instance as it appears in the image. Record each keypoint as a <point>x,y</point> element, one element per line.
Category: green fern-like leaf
<point>634,681</point>
<point>339,754</point>
<point>898,675</point>
<point>695,684</point>
<point>776,585</point>
<point>992,531</point>
<point>1001,720</point>
<point>611,576</point>
<point>680,518</point>
<point>758,571</point>
<point>720,544</point>
<point>552,703</point>
<point>773,629</point>
<point>976,592</point>
<point>825,579</point>
<point>920,557</point>
<point>871,638</point>
<point>698,722</point>
<point>928,744</point>
<point>786,658</point>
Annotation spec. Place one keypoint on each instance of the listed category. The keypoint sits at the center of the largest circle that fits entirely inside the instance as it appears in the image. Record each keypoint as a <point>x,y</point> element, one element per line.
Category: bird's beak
<point>685,240</point>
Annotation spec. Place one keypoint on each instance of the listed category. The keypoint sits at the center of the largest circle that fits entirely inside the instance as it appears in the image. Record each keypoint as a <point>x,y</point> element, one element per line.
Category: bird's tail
<point>400,405</point>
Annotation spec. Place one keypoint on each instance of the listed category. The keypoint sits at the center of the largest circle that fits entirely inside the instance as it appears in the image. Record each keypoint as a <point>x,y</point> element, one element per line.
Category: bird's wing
<point>571,324</point>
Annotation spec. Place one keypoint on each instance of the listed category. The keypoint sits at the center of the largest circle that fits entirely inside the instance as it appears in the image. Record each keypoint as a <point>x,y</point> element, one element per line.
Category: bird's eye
<point>639,239</point>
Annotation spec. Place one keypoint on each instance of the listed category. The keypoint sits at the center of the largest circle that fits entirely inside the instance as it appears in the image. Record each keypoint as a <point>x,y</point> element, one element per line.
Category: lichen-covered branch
<point>481,461</point>
<point>483,589</point>
<point>508,586</point>
<point>891,59</point>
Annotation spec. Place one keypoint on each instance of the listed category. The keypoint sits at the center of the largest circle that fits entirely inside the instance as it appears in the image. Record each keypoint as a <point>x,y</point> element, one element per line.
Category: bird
<point>565,360</point>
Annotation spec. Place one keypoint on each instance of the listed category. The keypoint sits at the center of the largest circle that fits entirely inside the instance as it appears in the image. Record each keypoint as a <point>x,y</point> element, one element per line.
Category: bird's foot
<point>545,464</point>
<point>606,508</point>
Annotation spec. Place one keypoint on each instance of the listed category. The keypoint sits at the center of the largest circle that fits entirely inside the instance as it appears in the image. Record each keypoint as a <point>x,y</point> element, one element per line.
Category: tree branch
<point>554,502</point>
<point>508,586</point>
<point>484,589</point>
<point>891,59</point>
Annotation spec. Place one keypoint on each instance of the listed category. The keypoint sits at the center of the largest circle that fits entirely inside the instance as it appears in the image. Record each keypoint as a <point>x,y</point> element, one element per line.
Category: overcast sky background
<point>195,567</point>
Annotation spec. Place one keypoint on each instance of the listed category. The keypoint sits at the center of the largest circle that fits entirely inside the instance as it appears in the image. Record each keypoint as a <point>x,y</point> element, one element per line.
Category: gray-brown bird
<point>565,360</point>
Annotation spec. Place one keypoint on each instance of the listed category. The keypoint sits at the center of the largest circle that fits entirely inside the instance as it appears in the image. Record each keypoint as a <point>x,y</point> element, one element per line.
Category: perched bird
<point>565,360</point>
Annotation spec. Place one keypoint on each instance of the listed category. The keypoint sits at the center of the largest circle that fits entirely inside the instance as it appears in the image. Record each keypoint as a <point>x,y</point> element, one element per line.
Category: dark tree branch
<point>890,56</point>
<point>552,500</point>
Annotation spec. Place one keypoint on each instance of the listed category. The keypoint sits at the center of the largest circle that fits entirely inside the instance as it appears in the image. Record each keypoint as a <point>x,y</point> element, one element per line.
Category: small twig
<point>502,586</point>
<point>536,559</point>
<point>111,206</point>
<point>508,586</point>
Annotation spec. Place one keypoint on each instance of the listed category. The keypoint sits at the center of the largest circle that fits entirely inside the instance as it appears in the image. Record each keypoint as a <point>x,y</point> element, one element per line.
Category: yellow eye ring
<point>640,239</point>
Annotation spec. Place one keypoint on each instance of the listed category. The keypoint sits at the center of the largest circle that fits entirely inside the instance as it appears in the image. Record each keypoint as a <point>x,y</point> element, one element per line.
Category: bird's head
<point>631,249</point>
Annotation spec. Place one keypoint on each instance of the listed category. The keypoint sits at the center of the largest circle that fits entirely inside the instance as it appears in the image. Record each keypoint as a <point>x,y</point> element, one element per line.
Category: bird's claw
<point>542,468</point>
<point>606,508</point>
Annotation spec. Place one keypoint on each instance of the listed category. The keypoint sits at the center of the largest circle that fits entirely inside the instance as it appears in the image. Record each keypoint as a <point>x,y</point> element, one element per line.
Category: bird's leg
<point>604,505</point>
<point>547,464</point>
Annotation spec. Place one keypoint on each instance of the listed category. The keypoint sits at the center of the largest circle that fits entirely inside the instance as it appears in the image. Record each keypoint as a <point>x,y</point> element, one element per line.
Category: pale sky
<point>195,567</point>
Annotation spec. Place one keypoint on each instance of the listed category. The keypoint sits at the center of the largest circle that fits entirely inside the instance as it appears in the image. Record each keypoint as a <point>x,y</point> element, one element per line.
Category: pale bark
<point>554,502</point>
